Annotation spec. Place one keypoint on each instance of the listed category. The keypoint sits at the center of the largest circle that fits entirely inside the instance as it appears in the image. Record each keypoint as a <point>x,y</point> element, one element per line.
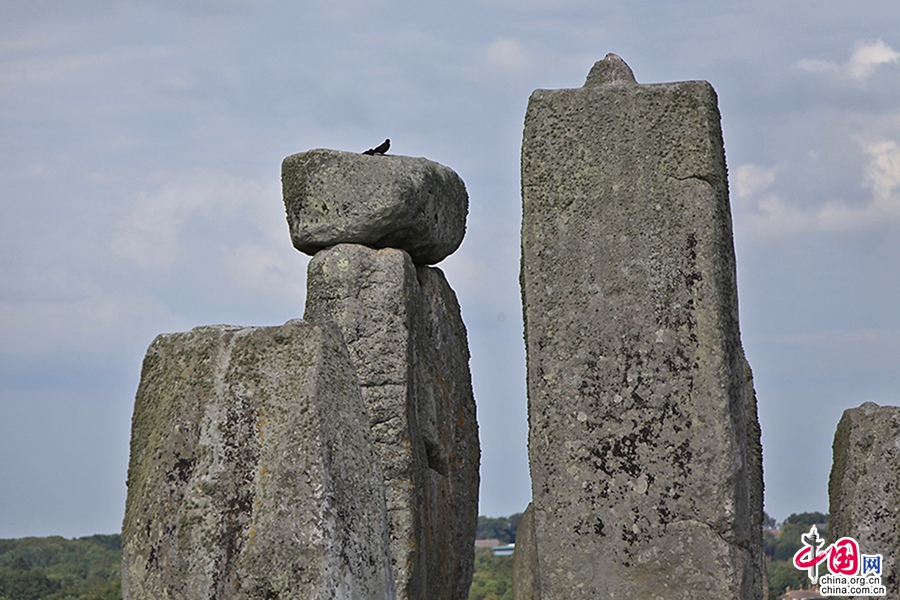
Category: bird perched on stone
<point>381,149</point>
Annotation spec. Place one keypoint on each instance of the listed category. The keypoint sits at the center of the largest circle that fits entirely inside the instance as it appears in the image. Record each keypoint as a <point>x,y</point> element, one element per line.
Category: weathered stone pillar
<point>864,488</point>
<point>252,472</point>
<point>402,325</point>
<point>644,441</point>
<point>526,576</point>
<point>407,340</point>
<point>259,466</point>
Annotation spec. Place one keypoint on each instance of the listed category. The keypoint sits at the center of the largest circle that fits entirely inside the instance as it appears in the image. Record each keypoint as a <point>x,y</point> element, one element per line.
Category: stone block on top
<point>404,202</point>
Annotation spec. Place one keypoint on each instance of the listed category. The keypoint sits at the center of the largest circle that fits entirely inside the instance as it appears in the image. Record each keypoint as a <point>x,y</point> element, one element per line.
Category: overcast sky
<point>140,153</point>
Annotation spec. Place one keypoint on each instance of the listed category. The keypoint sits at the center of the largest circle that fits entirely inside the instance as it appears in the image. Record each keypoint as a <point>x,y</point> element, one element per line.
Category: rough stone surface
<point>252,471</point>
<point>610,71</point>
<point>526,578</point>
<point>401,202</point>
<point>407,340</point>
<point>643,436</point>
<point>864,489</point>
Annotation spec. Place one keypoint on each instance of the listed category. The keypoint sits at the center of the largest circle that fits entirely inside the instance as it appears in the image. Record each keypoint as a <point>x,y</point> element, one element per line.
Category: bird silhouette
<point>381,149</point>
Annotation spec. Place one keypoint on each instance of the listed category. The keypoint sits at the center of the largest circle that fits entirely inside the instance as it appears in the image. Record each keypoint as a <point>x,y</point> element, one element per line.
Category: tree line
<point>54,568</point>
<point>493,574</point>
<point>87,568</point>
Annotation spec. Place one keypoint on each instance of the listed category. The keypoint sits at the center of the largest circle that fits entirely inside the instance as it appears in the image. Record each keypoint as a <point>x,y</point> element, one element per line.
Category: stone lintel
<point>413,204</point>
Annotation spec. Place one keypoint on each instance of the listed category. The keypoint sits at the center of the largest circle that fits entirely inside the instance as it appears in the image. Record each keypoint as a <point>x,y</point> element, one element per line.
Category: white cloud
<point>834,337</point>
<point>507,55</point>
<point>72,66</point>
<point>218,237</point>
<point>92,324</point>
<point>817,66</point>
<point>542,5</point>
<point>882,174</point>
<point>770,215</point>
<point>750,179</point>
<point>216,227</point>
<point>865,59</point>
<point>868,56</point>
<point>156,232</point>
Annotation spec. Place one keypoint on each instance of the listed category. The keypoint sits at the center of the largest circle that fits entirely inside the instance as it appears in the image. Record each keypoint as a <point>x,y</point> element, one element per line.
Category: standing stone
<point>414,204</point>
<point>406,338</point>
<point>864,489</point>
<point>526,580</point>
<point>644,441</point>
<point>253,473</point>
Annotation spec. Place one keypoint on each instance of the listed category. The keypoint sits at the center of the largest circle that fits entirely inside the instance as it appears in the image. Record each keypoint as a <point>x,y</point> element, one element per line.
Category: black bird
<point>381,149</point>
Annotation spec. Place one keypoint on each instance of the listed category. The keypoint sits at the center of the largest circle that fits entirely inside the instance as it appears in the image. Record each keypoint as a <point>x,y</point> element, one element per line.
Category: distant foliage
<point>782,575</point>
<point>55,568</point>
<point>87,568</point>
<point>780,547</point>
<point>492,579</point>
<point>501,528</point>
<point>808,519</point>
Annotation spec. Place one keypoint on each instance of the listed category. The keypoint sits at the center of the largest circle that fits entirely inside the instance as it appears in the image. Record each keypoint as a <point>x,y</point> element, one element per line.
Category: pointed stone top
<point>609,71</point>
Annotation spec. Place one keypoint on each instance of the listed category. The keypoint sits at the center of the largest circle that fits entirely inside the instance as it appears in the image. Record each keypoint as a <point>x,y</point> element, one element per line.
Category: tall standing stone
<point>526,572</point>
<point>644,441</point>
<point>252,472</point>
<point>864,488</point>
<point>407,341</point>
<point>320,459</point>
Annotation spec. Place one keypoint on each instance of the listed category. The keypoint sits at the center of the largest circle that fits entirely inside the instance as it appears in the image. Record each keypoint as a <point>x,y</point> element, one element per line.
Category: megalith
<point>526,572</point>
<point>334,457</point>
<point>253,472</point>
<point>406,339</point>
<point>413,204</point>
<point>864,488</point>
<point>643,436</point>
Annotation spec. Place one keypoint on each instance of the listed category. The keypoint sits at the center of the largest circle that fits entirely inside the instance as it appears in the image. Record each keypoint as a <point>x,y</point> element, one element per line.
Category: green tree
<point>808,519</point>
<point>55,568</point>
<point>492,579</point>
<point>780,551</point>
<point>769,538</point>
<point>32,584</point>
<point>501,528</point>
<point>783,574</point>
<point>788,541</point>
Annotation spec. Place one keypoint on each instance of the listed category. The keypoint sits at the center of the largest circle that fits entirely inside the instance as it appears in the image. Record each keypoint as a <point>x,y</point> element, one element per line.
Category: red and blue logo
<point>850,573</point>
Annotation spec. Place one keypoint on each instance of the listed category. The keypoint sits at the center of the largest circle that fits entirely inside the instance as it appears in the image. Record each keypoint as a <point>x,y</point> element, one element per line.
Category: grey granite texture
<point>526,576</point>
<point>406,338</point>
<point>253,473</point>
<point>413,204</point>
<point>864,488</point>
<point>643,436</point>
